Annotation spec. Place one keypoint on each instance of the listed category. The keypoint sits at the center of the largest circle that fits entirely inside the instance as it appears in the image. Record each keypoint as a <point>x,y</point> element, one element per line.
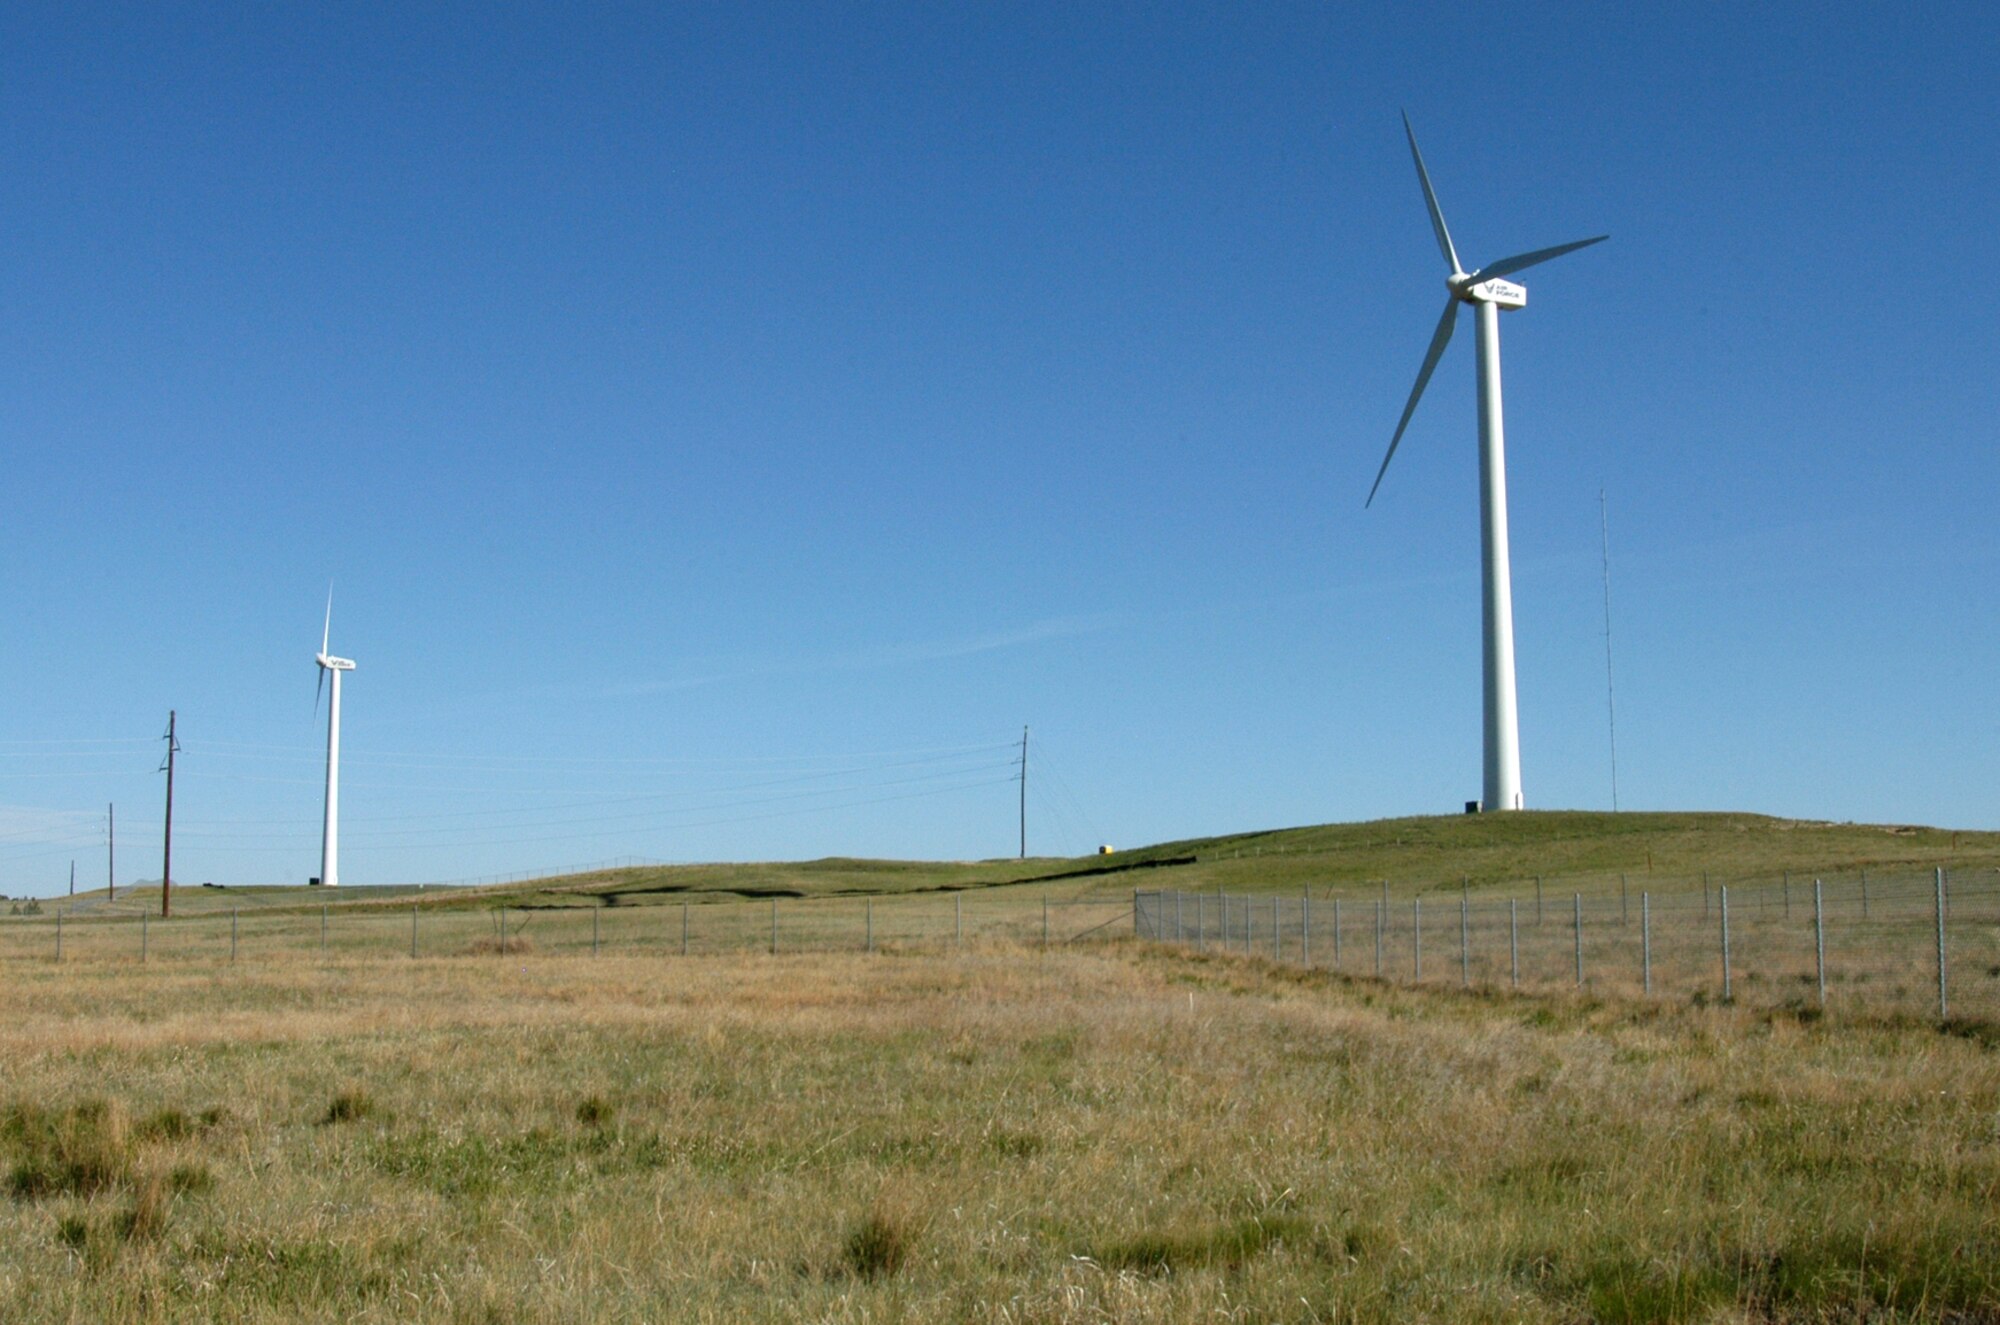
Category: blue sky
<point>726,426</point>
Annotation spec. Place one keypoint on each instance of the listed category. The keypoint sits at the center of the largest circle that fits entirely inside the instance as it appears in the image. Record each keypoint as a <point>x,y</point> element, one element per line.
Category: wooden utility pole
<point>1024,793</point>
<point>167,848</point>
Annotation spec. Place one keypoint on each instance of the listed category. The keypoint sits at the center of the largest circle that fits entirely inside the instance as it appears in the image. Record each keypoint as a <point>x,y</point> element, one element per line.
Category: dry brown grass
<point>1003,1135</point>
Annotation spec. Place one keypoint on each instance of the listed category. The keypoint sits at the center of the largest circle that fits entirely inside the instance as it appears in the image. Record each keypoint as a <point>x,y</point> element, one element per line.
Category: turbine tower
<point>329,844</point>
<point>1489,295</point>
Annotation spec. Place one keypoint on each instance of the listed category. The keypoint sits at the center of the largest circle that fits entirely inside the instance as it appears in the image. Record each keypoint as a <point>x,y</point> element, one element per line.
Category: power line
<point>700,823</point>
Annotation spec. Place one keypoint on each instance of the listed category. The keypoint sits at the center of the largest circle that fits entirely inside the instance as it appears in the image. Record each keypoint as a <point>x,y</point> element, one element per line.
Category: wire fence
<point>1915,944</point>
<point>1900,943</point>
<point>896,922</point>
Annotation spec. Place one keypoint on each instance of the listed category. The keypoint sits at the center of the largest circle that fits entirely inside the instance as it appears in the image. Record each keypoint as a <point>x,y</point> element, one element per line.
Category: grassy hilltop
<point>1413,854</point>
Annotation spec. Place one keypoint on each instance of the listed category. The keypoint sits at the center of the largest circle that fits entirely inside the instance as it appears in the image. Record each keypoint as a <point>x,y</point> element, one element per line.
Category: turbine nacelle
<point>332,664</point>
<point>1492,290</point>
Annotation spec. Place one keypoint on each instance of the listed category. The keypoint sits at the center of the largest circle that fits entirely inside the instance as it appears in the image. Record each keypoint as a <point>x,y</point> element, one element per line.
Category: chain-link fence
<point>1881,943</point>
<point>928,921</point>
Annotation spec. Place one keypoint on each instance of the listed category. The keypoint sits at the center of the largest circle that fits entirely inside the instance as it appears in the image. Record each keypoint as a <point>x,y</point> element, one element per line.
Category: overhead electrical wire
<point>769,786</point>
<point>655,814</point>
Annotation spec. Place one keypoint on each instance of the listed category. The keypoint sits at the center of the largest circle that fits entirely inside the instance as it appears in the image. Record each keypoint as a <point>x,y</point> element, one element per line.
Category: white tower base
<point>1502,789</point>
<point>329,849</point>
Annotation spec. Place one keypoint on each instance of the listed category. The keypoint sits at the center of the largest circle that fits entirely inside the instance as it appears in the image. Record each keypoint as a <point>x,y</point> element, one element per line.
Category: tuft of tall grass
<point>146,1217</point>
<point>78,1151</point>
<point>880,1243</point>
<point>348,1106</point>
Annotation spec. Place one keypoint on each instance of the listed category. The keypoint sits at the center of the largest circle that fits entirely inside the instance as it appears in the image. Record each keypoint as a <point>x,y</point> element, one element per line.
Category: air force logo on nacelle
<point>1506,294</point>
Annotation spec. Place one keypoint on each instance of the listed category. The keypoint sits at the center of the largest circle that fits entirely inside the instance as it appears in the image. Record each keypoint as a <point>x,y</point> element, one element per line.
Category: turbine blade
<point>1439,339</point>
<point>1431,201</point>
<point>316,689</point>
<point>1523,261</point>
<point>326,631</point>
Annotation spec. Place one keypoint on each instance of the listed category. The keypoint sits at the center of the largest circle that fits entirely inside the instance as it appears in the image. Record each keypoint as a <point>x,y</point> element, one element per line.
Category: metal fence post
<point>1417,935</point>
<point>1646,938</point>
<point>1819,940</point>
<point>684,929</point>
<point>1624,905</point>
<point>1045,921</point>
<point>1704,897</point>
<point>1578,924</point>
<point>1277,929</point>
<point>1224,899</point>
<point>58,936</point>
<point>1864,894</point>
<point>1464,943</point>
<point>322,931</point>
<point>1200,919</point>
<point>1722,900</point>
<point>232,935</point>
<point>1378,939</point>
<point>1306,928</point>
<point>1513,943</point>
<point>868,922</point>
<point>413,929</point>
<point>595,912</point>
<point>142,936</point>
<point>502,949</point>
<point>1538,899</point>
<point>1944,1008</point>
<point>1336,933</point>
<point>774,926</point>
<point>1788,894</point>
<point>958,920</point>
<point>1177,915</point>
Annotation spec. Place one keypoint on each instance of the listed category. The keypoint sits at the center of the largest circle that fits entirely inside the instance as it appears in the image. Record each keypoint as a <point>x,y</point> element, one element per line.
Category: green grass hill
<point>1412,855</point>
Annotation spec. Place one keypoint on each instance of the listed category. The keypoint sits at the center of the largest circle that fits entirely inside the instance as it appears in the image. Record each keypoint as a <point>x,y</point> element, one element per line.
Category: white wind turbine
<point>1488,294</point>
<point>329,845</point>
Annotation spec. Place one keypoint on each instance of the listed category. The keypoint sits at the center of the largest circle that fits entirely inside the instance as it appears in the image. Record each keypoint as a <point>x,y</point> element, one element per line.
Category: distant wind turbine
<point>329,846</point>
<point>1488,294</point>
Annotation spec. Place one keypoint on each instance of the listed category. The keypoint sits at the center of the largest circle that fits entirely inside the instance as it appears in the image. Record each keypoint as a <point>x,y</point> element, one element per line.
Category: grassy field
<point>1118,1132</point>
<point>977,1127</point>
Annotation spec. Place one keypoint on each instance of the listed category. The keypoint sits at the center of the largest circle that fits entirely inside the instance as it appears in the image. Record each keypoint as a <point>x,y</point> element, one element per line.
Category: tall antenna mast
<point>72,878</point>
<point>110,851</point>
<point>1610,692</point>
<point>167,847</point>
<point>1024,792</point>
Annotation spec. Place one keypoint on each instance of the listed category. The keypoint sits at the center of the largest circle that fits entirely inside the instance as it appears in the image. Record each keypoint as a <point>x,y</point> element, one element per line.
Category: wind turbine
<point>329,845</point>
<point>1489,295</point>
